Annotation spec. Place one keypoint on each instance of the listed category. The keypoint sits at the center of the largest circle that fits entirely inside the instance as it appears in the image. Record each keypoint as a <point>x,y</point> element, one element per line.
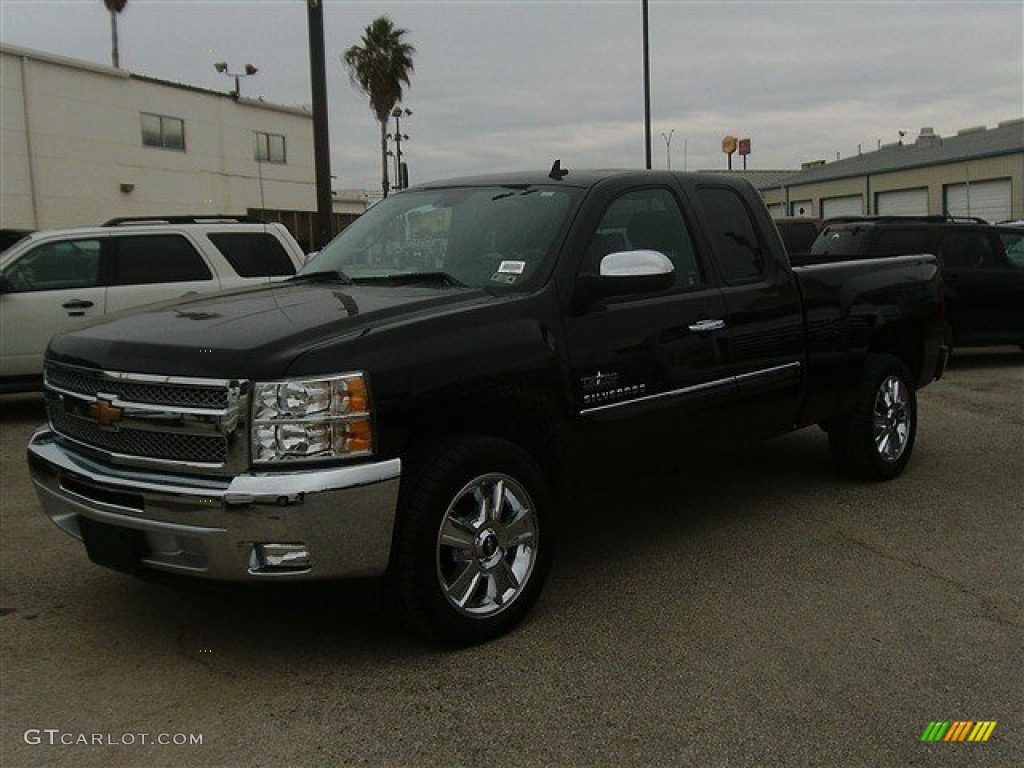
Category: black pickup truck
<point>422,398</point>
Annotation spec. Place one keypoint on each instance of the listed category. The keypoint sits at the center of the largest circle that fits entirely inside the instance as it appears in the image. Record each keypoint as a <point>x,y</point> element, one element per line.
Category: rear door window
<point>145,259</point>
<point>254,254</point>
<point>737,246</point>
<point>966,249</point>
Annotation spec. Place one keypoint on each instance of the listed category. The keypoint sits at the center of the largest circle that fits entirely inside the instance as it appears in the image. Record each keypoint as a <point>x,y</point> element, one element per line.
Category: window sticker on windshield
<point>505,278</point>
<point>511,267</point>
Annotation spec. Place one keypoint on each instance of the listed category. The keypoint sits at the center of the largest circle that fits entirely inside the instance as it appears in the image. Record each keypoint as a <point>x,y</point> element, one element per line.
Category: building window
<point>163,131</point>
<point>269,148</point>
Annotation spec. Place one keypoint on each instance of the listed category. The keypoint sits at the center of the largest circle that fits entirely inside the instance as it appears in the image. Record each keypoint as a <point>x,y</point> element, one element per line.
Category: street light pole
<point>222,67</point>
<point>398,113</point>
<point>668,147</point>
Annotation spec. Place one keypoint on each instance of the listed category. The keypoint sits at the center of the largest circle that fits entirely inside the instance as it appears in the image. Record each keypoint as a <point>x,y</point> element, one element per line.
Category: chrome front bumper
<point>314,524</point>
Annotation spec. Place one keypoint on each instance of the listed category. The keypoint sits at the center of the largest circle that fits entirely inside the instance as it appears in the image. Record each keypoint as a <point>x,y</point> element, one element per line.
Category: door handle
<point>706,326</point>
<point>77,304</point>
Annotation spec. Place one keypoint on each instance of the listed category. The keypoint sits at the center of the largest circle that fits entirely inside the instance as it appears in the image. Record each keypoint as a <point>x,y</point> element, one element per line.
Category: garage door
<point>777,210</point>
<point>801,208</point>
<point>852,205</point>
<point>902,202</point>
<point>989,200</point>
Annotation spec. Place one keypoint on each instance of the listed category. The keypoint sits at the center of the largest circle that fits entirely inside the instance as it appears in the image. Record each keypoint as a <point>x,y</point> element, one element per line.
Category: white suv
<point>52,281</point>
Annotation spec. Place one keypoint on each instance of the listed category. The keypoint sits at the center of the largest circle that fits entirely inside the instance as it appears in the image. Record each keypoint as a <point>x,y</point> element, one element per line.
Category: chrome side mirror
<point>625,273</point>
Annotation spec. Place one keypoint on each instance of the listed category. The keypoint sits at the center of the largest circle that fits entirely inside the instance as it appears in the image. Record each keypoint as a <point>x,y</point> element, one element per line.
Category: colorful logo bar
<point>958,730</point>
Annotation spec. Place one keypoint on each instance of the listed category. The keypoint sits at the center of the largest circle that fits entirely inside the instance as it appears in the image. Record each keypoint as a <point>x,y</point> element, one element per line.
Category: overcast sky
<point>515,84</point>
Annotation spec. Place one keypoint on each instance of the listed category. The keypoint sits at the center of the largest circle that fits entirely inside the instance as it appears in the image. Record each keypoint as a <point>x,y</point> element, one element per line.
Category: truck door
<point>762,312</point>
<point>649,371</point>
<point>51,288</point>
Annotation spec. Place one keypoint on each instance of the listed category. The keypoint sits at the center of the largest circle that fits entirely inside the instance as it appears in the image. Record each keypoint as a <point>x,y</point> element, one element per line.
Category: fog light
<point>279,558</point>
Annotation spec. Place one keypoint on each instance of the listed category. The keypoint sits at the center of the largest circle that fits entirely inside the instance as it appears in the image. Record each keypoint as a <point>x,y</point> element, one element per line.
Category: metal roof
<point>929,149</point>
<point>762,179</point>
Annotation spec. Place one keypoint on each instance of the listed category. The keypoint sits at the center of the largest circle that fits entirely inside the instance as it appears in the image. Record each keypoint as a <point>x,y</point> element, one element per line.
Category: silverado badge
<point>599,381</point>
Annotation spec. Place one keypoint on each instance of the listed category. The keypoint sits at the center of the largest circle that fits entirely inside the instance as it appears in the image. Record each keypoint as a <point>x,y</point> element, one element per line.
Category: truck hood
<point>250,333</point>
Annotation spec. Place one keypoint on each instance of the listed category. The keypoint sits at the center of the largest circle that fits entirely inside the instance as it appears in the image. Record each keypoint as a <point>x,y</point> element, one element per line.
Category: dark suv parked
<point>982,266</point>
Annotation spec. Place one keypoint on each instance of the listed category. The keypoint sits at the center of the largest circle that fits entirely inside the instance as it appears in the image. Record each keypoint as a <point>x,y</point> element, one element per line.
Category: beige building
<point>978,172</point>
<point>82,143</point>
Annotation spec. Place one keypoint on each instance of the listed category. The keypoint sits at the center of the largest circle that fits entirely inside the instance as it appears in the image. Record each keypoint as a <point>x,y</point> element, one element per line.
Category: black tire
<point>469,556</point>
<point>874,440</point>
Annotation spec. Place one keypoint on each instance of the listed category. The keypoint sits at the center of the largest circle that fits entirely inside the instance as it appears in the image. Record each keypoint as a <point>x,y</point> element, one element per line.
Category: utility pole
<point>321,137</point>
<point>647,91</point>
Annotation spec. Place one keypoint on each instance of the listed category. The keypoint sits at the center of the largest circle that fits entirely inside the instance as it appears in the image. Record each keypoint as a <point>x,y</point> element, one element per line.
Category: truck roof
<point>580,178</point>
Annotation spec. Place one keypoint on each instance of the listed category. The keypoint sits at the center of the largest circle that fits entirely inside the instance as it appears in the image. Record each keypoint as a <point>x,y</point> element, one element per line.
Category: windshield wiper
<point>414,277</point>
<point>323,276</point>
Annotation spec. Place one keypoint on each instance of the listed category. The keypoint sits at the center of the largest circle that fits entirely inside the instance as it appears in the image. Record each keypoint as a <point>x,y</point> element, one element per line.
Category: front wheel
<point>874,440</point>
<point>469,558</point>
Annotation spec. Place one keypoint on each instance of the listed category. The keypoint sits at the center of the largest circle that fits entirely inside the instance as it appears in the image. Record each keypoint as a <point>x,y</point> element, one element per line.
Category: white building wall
<point>72,141</point>
<point>16,207</point>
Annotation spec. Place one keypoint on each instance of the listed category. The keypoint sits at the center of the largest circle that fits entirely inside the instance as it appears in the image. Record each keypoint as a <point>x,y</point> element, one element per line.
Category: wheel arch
<point>528,420</point>
<point>903,340</point>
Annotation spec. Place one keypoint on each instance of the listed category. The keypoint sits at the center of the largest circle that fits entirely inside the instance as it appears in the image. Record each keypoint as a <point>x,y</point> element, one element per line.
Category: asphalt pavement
<point>763,611</point>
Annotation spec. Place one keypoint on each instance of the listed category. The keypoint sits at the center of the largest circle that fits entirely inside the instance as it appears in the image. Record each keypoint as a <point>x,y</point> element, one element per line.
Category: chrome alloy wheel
<point>892,419</point>
<point>487,545</point>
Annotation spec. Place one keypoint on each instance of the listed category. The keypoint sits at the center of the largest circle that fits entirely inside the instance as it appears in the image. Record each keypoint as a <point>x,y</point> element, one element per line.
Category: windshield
<point>481,237</point>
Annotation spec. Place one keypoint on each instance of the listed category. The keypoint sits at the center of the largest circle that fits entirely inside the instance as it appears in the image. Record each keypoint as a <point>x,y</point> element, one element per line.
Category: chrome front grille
<point>140,443</point>
<point>196,425</point>
<point>84,382</point>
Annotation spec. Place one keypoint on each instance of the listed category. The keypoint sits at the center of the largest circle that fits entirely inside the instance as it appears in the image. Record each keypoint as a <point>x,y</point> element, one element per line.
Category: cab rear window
<point>841,240</point>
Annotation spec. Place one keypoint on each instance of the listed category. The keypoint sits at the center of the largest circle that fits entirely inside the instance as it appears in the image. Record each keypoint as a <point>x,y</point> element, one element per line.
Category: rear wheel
<point>874,440</point>
<point>470,559</point>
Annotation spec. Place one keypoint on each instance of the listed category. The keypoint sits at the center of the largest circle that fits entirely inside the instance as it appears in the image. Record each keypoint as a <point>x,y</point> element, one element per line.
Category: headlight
<point>303,420</point>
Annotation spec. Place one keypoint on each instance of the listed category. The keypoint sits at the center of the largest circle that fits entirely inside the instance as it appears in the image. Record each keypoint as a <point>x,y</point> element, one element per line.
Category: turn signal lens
<point>357,437</point>
<point>354,398</point>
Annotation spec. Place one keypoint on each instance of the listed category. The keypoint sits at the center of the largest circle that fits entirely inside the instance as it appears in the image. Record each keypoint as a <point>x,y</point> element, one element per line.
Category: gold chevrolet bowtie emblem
<point>105,413</point>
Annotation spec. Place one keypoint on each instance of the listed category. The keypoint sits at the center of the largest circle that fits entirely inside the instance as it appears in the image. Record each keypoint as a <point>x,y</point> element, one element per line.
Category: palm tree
<point>115,7</point>
<point>379,67</point>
